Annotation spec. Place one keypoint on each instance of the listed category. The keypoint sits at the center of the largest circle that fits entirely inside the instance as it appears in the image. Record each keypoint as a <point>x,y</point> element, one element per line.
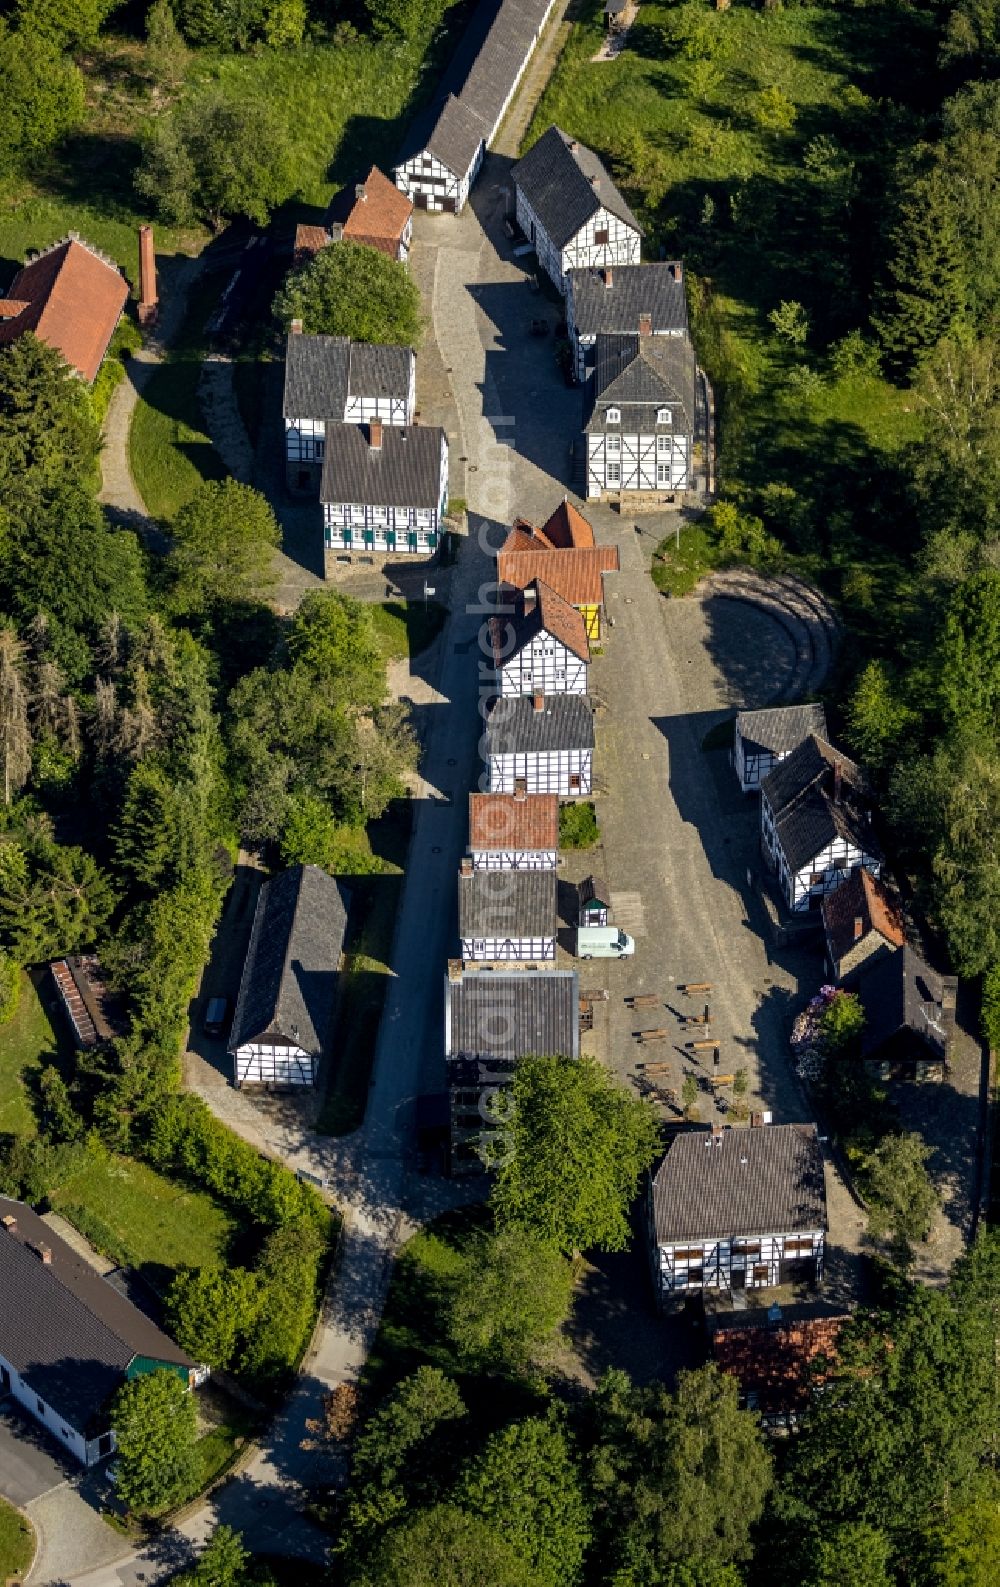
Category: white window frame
<point>663,416</point>
<point>613,416</point>
<point>613,474</point>
<point>662,473</point>
<point>664,445</point>
<point>615,444</point>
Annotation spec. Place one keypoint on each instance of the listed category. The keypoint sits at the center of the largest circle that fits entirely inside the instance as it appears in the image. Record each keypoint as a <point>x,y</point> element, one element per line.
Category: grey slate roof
<point>901,994</point>
<point>405,471</point>
<point>638,374</point>
<point>652,289</point>
<point>514,726</point>
<point>807,817</point>
<point>290,975</point>
<point>531,1013</point>
<point>779,729</point>
<point>507,904</point>
<point>321,372</point>
<point>556,177</point>
<point>63,1328</point>
<point>767,1180</point>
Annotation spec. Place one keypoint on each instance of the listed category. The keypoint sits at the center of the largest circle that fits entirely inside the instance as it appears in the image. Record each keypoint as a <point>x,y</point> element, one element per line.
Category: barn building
<point>815,823</point>
<point>506,916</point>
<point>284,1014</point>
<point>641,415</point>
<point>69,1339</point>
<point>384,487</point>
<point>514,832</point>
<point>494,1018</point>
<point>72,296</point>
<point>540,643</point>
<point>611,301</point>
<point>332,380</point>
<point>568,207</point>
<point>862,921</point>
<point>540,744</point>
<point>738,1209</point>
<point>763,738</point>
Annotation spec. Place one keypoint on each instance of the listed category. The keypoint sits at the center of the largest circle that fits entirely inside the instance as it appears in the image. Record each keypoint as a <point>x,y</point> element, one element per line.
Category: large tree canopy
<point>41,93</point>
<point>445,1547</point>
<point>215,157</point>
<point>155,1422</point>
<point>349,289</point>
<point>224,540</point>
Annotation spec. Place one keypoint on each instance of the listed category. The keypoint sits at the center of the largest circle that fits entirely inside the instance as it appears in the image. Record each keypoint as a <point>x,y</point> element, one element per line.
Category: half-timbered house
<point>541,744</point>
<point>71,295</point>
<point>283,1023</point>
<point>815,823</point>
<point>69,1339</point>
<point>514,832</point>
<point>567,206</point>
<point>492,1020</point>
<point>373,212</point>
<point>611,301</point>
<point>384,487</point>
<point>738,1209</point>
<point>506,916</point>
<point>540,643</point>
<point>562,553</point>
<point>862,920</point>
<point>909,1008</point>
<point>332,380</point>
<point>762,738</point>
<point>641,412</point>
<point>445,146</point>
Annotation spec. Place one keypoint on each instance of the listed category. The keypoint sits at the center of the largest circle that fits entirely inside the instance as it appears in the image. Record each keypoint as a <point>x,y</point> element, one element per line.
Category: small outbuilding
<point>763,738</point>
<point>861,921</point>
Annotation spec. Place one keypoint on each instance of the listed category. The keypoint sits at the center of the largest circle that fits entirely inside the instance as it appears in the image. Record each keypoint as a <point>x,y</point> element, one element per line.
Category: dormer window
<point>663,416</point>
<point>613,416</point>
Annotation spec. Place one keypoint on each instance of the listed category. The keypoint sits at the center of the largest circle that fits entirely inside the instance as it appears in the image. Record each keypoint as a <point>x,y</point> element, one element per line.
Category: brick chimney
<point>9,1222</point>
<point>645,325</point>
<point>44,1252</point>
<point>538,700</point>
<point>677,270</point>
<point>375,435</point>
<point>454,969</point>
<point>295,328</point>
<point>465,868</point>
<point>148,304</point>
<point>859,927</point>
<point>608,276</point>
<point>337,231</point>
<point>573,145</point>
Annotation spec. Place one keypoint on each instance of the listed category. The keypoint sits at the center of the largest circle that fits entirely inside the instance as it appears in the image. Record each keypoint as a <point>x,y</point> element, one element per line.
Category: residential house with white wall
<point>763,738</point>
<point>514,832</point>
<point>815,823</point>
<point>640,416</point>
<point>541,644</point>
<point>564,555</point>
<point>506,916</point>
<point>567,205</point>
<point>384,488</point>
<point>541,743</point>
<point>332,380</point>
<point>611,300</point>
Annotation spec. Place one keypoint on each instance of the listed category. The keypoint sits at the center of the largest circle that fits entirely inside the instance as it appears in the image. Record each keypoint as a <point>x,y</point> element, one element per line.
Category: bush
<point>991,1006</point>
<point>10,988</point>
<point>578,826</point>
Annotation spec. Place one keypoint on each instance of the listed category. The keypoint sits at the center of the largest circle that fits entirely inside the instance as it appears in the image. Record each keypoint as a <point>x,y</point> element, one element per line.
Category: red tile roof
<point>309,240</point>
<point>73,299</point>
<point>547,612</point>
<point>566,528</point>
<point>502,821</point>
<point>861,898</point>
<point>575,575</point>
<point>380,217</point>
<point>779,1362</point>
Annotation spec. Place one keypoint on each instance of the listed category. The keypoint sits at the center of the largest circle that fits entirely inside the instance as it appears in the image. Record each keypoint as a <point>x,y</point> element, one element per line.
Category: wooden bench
<point>702,1046</point>
<point>653,1069</point>
<point>643,1000</point>
<point>660,1034</point>
<point>722,1080</point>
<point>695,986</point>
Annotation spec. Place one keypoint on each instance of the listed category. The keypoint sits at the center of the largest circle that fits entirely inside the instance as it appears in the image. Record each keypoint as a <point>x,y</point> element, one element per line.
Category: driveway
<point>29,1465</point>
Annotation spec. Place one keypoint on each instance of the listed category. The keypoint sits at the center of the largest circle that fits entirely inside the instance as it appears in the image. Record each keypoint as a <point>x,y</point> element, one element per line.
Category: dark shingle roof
<point>740,1182</point>
<point>515,727</point>
<point>321,372</point>
<point>780,729</point>
<point>637,373</point>
<point>63,1328</point>
<point>290,976</point>
<point>653,289</point>
<point>405,471</point>
<point>801,790</point>
<point>557,176</point>
<point>541,611</point>
<point>901,993</point>
<point>531,1013</point>
<point>507,904</point>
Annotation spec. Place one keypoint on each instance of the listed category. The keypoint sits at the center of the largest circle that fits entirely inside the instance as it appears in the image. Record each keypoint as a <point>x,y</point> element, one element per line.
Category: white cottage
<point>331,380</point>
<point>284,1015</point>
<point>737,1209</point>
<point>514,832</point>
<point>611,300</point>
<point>815,823</point>
<point>541,646</point>
<point>506,916</point>
<point>69,1339</point>
<point>384,488</point>
<point>568,207</point>
<point>640,415</point>
<point>763,738</point>
<point>540,744</point>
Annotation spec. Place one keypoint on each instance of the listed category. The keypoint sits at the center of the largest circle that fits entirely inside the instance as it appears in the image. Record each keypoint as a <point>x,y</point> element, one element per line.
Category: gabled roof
<point>637,373</point>
<point>514,727</point>
<point>63,1328</point>
<point>809,813</point>
<point>540,611</point>
<point>309,241</point>
<point>404,471</point>
<point>532,1013</point>
<point>565,183</point>
<point>72,297</point>
<point>779,729</point>
<point>778,1353</point>
<point>507,904</point>
<point>612,299</point>
<point>740,1182</point>
<point>505,821</point>
<point>322,372</point>
<point>373,212</point>
<point>575,575</point>
<point>858,907</point>
<point>567,529</point>
<point>902,996</point>
<point>290,975</point>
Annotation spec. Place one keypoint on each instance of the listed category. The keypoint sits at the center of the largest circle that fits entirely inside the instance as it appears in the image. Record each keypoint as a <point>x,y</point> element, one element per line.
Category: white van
<point>603,942</point>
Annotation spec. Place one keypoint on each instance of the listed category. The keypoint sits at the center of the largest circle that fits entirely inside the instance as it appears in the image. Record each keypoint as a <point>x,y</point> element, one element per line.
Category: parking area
<point>30,1465</point>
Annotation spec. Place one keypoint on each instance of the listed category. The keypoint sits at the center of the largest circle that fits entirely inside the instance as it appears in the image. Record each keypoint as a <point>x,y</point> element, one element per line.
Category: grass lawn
<point>17,1542</point>
<point>141,1219</point>
<point>405,628</point>
<point>27,1045</point>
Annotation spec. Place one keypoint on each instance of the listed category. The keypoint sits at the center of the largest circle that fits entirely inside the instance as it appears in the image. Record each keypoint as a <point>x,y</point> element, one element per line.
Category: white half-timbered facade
<point>283,1022</point>
<point>815,823</point>
<point>331,380</point>
<point>570,210</point>
<point>614,299</point>
<point>737,1209</point>
<point>640,424</point>
<point>514,832</point>
<point>384,489</point>
<point>540,744</point>
<point>763,738</point>
<point>507,917</point>
<point>541,646</point>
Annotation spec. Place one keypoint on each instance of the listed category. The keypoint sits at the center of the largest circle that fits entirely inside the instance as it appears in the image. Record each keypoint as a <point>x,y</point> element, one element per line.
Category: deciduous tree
<point>41,92</point>
<point>215,157</point>
<point>155,1426</point>
<point>444,1546</point>
<point>224,540</point>
<point>352,290</point>
<point>510,1300</point>
<point>404,1452</point>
